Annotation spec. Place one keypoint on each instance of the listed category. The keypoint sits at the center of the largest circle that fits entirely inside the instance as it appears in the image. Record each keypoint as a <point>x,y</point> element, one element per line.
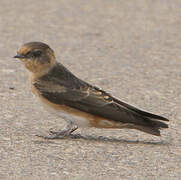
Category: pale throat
<point>38,69</point>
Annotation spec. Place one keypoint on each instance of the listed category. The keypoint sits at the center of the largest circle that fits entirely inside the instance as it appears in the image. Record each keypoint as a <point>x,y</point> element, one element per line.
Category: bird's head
<point>36,56</point>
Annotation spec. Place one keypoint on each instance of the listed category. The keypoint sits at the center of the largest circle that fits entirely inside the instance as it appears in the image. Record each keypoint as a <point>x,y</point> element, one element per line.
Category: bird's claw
<point>59,134</point>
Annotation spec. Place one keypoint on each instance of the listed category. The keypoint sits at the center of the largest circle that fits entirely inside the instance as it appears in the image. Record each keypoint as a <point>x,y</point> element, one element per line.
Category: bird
<point>77,102</point>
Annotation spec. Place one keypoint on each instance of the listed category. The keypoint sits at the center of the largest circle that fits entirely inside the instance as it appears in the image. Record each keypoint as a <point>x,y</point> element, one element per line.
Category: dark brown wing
<point>77,94</point>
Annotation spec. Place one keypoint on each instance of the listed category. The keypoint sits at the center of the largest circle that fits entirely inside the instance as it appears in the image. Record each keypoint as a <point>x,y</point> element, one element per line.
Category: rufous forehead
<point>24,50</point>
<point>32,46</point>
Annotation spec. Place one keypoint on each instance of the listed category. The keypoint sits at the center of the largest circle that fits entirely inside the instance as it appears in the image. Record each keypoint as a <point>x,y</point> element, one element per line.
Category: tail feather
<point>150,125</point>
<point>146,129</point>
<point>154,126</point>
<point>154,130</point>
<point>157,124</point>
<point>152,122</point>
<point>141,112</point>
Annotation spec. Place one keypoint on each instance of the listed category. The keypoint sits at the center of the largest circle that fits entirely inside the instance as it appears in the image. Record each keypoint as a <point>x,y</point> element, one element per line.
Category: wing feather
<point>71,91</point>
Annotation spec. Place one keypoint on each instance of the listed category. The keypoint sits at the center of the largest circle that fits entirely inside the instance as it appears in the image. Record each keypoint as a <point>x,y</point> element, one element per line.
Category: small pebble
<point>12,88</point>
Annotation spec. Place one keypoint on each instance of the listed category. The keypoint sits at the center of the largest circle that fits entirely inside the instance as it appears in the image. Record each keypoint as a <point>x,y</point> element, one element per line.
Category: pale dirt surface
<point>132,49</point>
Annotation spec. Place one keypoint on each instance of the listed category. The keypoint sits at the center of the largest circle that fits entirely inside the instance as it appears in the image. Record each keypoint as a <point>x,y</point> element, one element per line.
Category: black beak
<point>19,56</point>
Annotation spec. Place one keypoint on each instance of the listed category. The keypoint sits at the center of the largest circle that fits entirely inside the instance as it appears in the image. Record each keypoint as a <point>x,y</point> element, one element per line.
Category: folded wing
<point>87,98</point>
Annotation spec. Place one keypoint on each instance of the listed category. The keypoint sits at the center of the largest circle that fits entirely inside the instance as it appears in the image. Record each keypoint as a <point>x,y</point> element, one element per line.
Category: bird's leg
<point>62,133</point>
<point>68,130</point>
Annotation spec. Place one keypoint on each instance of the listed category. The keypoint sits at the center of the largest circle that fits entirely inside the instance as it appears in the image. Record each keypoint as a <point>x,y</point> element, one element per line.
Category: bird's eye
<point>36,53</point>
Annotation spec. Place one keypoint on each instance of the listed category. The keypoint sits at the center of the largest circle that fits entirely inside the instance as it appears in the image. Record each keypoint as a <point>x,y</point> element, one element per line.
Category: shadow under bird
<point>76,101</point>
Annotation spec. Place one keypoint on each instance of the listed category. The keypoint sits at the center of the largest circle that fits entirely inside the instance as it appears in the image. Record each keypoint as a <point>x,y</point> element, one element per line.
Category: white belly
<point>80,121</point>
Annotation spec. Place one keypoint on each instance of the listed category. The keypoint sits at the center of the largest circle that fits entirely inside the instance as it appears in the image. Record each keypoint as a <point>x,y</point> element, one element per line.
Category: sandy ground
<point>132,49</point>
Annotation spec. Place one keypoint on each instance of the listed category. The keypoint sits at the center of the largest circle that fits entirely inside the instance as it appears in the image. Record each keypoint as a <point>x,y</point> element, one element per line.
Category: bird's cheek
<point>23,60</point>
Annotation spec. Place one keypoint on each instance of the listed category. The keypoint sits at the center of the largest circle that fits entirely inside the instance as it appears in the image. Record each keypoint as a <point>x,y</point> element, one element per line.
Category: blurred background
<point>129,48</point>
